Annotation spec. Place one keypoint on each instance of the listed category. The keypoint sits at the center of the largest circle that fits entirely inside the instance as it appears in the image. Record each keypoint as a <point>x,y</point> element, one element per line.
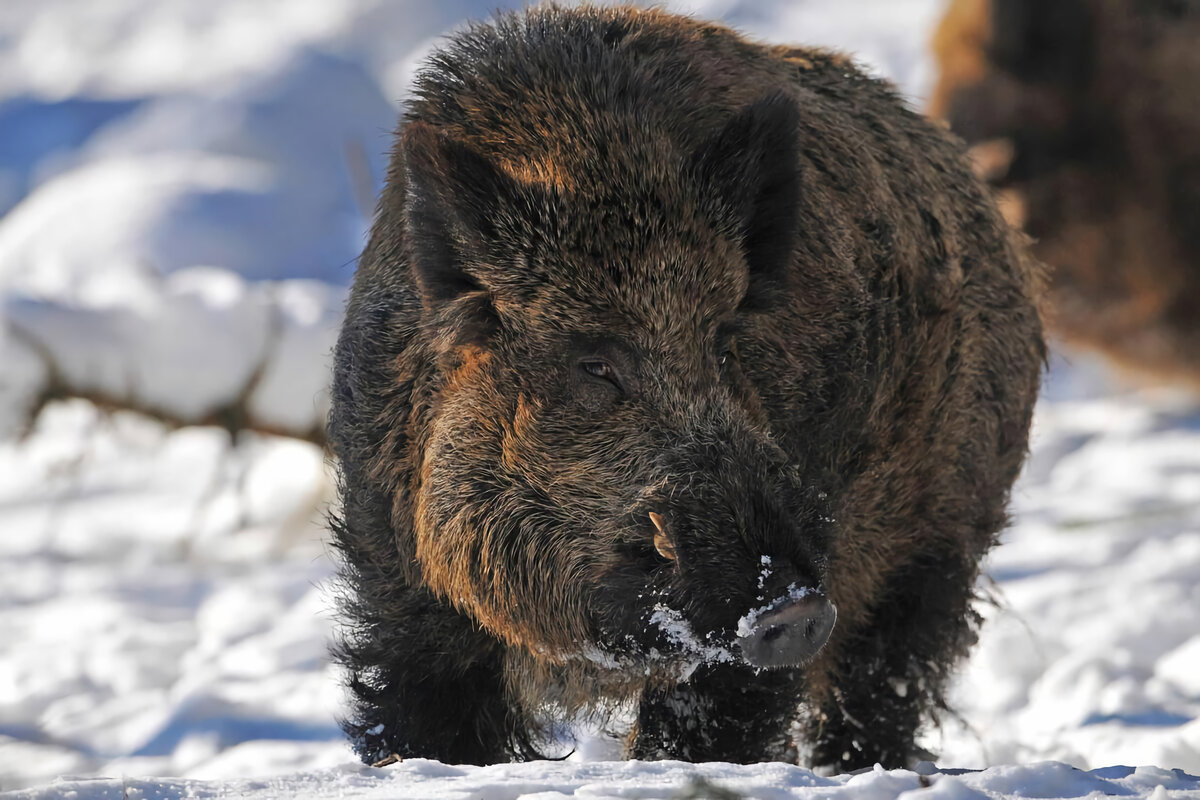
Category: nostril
<point>773,633</point>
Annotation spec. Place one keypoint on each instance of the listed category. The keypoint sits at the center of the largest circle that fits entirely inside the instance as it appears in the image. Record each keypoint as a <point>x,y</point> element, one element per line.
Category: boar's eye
<point>600,369</point>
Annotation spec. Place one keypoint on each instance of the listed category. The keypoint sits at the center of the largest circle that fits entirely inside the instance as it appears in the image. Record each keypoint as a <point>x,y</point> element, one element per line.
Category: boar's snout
<point>787,633</point>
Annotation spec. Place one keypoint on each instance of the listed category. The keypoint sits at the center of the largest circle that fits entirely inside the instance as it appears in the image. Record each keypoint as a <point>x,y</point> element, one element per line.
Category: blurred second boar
<point>1085,115</point>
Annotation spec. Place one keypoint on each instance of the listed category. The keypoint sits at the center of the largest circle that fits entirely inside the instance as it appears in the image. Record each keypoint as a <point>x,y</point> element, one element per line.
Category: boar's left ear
<point>751,167</point>
<point>454,195</point>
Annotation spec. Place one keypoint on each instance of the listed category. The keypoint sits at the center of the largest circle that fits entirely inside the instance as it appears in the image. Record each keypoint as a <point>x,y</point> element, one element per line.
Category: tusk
<point>663,546</point>
<point>661,542</point>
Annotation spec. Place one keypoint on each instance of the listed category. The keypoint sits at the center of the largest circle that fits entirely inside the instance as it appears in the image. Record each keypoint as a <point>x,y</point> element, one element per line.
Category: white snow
<point>680,633</point>
<point>419,779</point>
<point>745,624</point>
<point>186,344</point>
<point>182,189</point>
<point>1093,655</point>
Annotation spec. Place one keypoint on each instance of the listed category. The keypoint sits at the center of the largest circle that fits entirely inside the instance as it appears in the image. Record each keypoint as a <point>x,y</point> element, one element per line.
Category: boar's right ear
<point>453,193</point>
<point>751,167</point>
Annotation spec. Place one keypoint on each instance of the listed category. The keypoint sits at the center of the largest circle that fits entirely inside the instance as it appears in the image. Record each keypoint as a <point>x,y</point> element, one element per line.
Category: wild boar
<point>1084,114</point>
<point>681,374</point>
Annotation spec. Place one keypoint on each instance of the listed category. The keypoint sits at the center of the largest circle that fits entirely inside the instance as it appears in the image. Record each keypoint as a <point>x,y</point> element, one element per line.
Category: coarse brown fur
<point>628,262</point>
<point>1094,110</point>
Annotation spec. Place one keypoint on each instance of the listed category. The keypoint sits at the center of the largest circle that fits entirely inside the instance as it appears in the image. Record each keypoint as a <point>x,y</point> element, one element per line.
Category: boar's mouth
<point>669,620</point>
<point>673,589</point>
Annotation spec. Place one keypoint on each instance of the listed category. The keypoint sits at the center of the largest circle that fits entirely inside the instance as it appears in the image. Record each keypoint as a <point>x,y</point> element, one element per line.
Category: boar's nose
<point>789,634</point>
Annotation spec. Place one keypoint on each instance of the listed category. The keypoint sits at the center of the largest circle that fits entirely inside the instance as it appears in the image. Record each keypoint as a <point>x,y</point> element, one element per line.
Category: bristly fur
<point>628,262</point>
<point>1091,112</point>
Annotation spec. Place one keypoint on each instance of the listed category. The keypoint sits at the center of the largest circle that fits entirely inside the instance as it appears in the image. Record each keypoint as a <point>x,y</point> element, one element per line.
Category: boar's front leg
<point>722,713</point>
<point>891,675</point>
<point>427,683</point>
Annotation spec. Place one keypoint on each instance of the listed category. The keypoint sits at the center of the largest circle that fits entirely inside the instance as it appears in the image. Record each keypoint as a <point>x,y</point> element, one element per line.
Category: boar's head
<point>598,471</point>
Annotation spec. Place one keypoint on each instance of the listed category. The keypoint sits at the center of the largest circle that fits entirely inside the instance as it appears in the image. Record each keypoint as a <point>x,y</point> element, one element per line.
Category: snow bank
<point>189,346</point>
<point>419,779</point>
<point>163,600</point>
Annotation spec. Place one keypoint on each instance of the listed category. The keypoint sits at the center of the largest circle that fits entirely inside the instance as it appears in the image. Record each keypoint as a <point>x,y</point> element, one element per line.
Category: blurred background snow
<point>184,188</point>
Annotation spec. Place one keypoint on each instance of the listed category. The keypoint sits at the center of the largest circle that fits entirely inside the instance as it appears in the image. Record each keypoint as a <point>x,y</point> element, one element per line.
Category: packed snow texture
<point>184,186</point>
<point>419,779</point>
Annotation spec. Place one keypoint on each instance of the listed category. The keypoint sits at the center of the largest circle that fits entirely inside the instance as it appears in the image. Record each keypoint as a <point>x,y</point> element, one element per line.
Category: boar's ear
<point>453,193</point>
<point>751,166</point>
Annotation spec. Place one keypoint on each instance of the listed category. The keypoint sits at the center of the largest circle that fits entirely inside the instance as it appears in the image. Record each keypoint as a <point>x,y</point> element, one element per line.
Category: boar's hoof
<point>791,634</point>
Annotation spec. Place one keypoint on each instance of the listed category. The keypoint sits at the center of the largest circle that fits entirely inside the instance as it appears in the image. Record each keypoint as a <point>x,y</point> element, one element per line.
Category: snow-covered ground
<point>181,195</point>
